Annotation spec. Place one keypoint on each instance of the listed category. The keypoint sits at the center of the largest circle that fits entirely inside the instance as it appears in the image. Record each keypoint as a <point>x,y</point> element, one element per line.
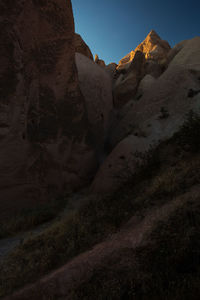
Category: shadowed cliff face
<point>81,46</point>
<point>43,125</point>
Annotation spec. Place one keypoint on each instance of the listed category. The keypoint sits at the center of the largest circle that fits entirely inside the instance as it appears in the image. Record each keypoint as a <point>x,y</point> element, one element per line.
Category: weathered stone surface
<point>126,85</point>
<point>98,61</point>
<point>124,63</point>
<point>153,47</point>
<point>96,86</point>
<point>188,54</point>
<point>82,47</point>
<point>150,57</point>
<point>43,124</point>
<point>119,165</point>
<point>111,69</point>
<point>156,116</point>
<point>175,50</point>
<point>144,86</point>
<point>153,68</point>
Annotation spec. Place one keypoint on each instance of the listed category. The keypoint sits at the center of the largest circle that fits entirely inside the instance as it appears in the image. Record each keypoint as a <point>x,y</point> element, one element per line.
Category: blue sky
<point>112,28</point>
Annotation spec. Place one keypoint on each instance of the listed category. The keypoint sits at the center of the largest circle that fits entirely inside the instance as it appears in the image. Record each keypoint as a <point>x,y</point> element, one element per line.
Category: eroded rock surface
<point>155,115</point>
<point>43,124</point>
<point>99,62</point>
<point>82,47</point>
<point>96,86</point>
<point>150,57</point>
<point>126,85</point>
<point>153,47</point>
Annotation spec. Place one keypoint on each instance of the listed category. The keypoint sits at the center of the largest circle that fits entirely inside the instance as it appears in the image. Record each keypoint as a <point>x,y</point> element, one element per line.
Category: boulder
<point>44,131</point>
<point>96,86</point>
<point>82,47</point>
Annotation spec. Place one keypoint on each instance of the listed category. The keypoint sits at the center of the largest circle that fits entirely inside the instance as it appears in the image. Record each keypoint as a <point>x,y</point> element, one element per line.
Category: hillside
<point>100,164</point>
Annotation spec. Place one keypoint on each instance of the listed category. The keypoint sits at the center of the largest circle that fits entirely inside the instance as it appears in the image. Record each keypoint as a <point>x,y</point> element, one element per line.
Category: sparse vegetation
<point>167,172</point>
<point>30,218</point>
<point>167,268</point>
<point>189,135</point>
<point>164,114</point>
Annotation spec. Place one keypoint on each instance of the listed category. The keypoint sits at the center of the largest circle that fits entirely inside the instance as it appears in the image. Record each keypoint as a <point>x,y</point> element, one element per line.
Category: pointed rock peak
<point>153,32</point>
<point>153,47</point>
<point>153,35</point>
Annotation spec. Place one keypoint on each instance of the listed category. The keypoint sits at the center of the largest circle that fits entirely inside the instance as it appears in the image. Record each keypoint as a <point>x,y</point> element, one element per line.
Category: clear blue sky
<point>112,28</point>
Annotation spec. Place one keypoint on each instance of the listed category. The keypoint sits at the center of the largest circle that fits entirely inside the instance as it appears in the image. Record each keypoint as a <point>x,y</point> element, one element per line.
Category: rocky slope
<point>153,115</point>
<point>129,133</point>
<point>131,244</point>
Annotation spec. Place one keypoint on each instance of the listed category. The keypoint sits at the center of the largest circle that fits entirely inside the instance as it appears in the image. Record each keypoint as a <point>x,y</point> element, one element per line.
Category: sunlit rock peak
<point>153,47</point>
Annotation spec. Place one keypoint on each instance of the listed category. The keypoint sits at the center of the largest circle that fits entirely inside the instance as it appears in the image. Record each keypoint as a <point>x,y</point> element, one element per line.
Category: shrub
<point>164,114</point>
<point>189,133</point>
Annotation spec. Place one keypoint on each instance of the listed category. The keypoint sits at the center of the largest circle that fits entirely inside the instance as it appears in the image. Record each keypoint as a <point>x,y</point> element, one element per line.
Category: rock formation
<point>43,124</point>
<point>156,115</point>
<point>126,85</point>
<point>96,86</point>
<point>150,57</point>
<point>153,47</point>
<point>67,122</point>
<point>82,47</point>
<point>111,69</point>
<point>98,61</point>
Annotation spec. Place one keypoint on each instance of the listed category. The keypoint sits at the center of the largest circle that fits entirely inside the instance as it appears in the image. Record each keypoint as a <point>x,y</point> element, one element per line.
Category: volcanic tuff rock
<point>98,61</point>
<point>126,85</point>
<point>82,47</point>
<point>153,47</point>
<point>156,115</point>
<point>150,57</point>
<point>96,86</point>
<point>111,69</point>
<point>43,124</point>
